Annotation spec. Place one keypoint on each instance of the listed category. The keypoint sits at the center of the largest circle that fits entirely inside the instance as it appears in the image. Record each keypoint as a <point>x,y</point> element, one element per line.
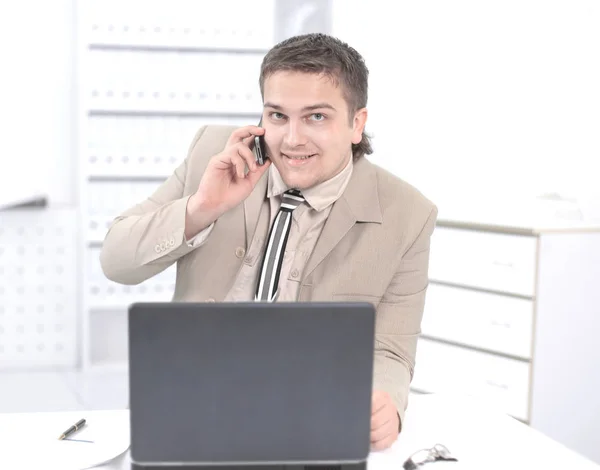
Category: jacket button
<point>295,273</point>
<point>240,252</point>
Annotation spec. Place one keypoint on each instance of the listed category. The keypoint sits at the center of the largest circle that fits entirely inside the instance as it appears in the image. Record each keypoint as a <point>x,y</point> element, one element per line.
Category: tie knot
<point>292,198</point>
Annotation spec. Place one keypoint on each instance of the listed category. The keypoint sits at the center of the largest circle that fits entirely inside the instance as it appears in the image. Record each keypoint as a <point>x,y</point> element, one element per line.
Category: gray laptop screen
<point>250,382</point>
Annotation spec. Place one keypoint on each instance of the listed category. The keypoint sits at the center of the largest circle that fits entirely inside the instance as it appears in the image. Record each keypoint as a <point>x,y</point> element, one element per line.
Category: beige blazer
<point>374,247</point>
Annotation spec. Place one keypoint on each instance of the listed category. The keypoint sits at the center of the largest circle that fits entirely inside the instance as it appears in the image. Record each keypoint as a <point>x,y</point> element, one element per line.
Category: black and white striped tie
<point>268,282</point>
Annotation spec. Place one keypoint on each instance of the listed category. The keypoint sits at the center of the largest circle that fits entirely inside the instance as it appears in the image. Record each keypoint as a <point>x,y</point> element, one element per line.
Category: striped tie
<point>271,265</point>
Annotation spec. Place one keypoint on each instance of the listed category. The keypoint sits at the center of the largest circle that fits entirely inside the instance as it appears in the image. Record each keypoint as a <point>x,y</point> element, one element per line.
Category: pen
<point>78,425</point>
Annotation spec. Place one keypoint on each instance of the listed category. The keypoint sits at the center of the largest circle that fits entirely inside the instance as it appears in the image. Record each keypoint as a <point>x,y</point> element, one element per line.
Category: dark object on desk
<point>421,457</point>
<point>352,466</point>
<point>76,427</point>
<point>33,203</point>
<point>251,386</point>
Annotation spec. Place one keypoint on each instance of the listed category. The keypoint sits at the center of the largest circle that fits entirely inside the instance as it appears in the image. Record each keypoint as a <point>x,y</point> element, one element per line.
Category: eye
<point>317,117</point>
<point>277,116</point>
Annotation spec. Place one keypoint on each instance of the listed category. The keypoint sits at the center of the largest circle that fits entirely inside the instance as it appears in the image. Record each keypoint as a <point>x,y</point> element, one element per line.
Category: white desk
<point>479,438</point>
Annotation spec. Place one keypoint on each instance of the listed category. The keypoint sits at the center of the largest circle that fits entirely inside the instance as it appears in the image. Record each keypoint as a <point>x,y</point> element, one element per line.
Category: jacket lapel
<point>252,206</point>
<point>358,203</point>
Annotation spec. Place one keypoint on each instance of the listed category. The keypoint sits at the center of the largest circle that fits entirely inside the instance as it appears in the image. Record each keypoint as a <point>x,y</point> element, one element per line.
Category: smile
<point>298,157</point>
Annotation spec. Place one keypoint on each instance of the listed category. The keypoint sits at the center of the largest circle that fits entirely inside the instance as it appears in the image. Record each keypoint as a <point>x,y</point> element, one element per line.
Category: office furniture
<point>478,436</point>
<point>38,289</point>
<point>512,317</point>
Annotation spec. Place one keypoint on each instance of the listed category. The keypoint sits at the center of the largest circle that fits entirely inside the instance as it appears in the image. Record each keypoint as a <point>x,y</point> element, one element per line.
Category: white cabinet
<point>495,322</point>
<point>511,317</point>
<point>497,261</point>
<point>500,380</point>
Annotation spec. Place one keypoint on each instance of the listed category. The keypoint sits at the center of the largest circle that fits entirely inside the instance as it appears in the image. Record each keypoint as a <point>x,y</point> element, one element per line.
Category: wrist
<point>199,216</point>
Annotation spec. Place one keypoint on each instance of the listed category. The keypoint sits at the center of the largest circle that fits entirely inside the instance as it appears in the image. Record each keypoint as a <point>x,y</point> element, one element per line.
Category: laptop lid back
<point>250,382</point>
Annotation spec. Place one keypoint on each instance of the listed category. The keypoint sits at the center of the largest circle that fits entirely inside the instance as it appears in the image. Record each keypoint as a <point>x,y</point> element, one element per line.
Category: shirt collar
<point>319,197</point>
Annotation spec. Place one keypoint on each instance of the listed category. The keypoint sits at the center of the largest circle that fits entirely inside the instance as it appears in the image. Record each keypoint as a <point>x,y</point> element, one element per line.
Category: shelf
<point>34,202</point>
<point>173,113</point>
<point>174,48</point>
<point>126,178</point>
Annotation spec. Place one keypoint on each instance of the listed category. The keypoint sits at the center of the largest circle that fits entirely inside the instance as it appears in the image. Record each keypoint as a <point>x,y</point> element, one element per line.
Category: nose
<point>294,137</point>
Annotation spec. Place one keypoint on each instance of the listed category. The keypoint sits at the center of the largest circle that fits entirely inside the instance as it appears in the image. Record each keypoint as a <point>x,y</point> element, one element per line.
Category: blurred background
<point>491,109</point>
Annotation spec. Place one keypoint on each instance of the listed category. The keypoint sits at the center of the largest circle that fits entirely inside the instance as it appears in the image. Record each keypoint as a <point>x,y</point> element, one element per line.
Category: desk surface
<point>478,437</point>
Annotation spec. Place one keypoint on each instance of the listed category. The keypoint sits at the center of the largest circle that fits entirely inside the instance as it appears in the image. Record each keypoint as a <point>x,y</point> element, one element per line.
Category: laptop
<point>250,386</point>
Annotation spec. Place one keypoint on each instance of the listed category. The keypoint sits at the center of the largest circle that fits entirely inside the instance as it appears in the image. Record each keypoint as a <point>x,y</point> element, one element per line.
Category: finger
<point>232,155</point>
<point>254,176</point>
<point>247,155</point>
<point>379,395</point>
<point>242,133</point>
<point>381,432</point>
<point>249,141</point>
<point>384,443</point>
<point>378,435</point>
<point>239,166</point>
<point>378,401</point>
<point>381,417</point>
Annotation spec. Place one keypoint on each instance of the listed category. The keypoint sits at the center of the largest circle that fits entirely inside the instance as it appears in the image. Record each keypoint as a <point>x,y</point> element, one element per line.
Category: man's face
<point>307,130</point>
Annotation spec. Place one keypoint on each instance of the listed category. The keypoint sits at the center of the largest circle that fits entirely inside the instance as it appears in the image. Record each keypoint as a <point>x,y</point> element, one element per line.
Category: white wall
<point>477,99</point>
<point>467,97</point>
<point>37,99</point>
<point>39,269</point>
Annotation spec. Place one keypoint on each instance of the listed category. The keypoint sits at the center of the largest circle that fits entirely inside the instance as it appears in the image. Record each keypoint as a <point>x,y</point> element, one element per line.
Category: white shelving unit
<point>512,317</point>
<point>151,74</point>
<point>38,289</point>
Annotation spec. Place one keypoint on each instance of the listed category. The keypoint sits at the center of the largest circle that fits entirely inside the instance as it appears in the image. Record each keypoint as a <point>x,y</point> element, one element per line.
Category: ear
<point>358,125</point>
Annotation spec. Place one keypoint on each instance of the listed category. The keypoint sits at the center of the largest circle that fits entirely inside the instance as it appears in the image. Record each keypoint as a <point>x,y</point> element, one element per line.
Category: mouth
<point>297,159</point>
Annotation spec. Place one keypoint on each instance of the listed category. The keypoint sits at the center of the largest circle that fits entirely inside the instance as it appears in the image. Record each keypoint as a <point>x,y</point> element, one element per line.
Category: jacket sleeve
<point>149,237</point>
<point>398,320</point>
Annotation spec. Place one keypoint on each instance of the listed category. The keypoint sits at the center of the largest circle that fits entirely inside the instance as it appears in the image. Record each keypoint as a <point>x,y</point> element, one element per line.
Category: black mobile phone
<point>260,149</point>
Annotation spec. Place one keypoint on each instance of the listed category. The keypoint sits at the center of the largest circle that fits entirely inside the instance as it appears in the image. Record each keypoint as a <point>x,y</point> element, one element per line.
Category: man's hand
<point>385,422</point>
<point>225,183</point>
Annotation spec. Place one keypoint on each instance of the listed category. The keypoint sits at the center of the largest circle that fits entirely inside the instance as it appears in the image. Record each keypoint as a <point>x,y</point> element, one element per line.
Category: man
<point>347,230</point>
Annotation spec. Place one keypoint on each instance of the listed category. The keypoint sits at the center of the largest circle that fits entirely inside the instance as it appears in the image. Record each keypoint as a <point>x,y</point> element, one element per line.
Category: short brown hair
<point>322,54</point>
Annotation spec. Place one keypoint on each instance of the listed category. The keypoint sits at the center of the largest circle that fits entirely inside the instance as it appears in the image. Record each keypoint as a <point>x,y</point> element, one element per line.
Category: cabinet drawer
<point>503,382</point>
<point>501,262</point>
<point>489,321</point>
